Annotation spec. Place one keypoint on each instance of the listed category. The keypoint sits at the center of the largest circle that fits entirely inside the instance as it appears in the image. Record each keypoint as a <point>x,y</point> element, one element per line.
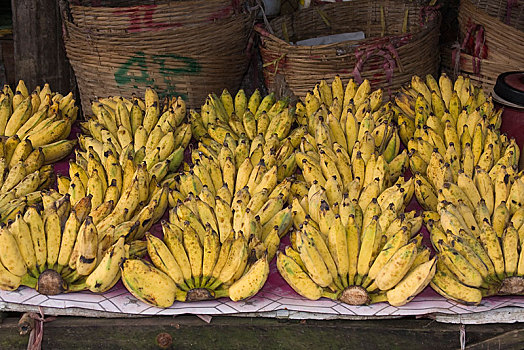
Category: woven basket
<point>114,3</point>
<point>150,17</point>
<point>388,57</point>
<point>189,60</point>
<point>503,27</point>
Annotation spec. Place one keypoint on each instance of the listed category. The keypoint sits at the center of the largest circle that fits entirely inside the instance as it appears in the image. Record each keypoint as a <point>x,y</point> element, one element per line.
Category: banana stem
<point>330,295</point>
<point>338,283</point>
<point>209,282</point>
<point>60,268</point>
<point>215,285</point>
<point>190,283</point>
<point>73,277</point>
<point>358,280</point>
<point>197,282</point>
<point>367,281</point>
<point>204,281</point>
<point>183,287</point>
<point>42,268</point>
<point>76,287</point>
<point>221,293</point>
<point>29,281</point>
<point>351,280</point>
<point>344,281</point>
<point>34,272</point>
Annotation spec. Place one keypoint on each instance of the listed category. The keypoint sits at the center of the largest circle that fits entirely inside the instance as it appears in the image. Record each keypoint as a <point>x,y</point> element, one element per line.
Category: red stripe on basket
<point>220,14</point>
<point>141,19</point>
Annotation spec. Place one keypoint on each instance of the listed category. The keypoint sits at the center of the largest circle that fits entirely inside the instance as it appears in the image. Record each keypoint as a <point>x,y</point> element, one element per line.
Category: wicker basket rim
<point>428,26</point>
<point>492,20</point>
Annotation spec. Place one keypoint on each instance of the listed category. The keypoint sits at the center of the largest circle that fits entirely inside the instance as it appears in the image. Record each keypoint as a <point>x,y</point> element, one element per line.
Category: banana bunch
<point>454,129</point>
<point>225,169</point>
<point>143,128</point>
<point>478,232</point>
<point>456,118</point>
<point>431,178</point>
<point>358,250</point>
<point>248,200</point>
<point>228,215</point>
<point>191,263</point>
<point>329,164</point>
<point>353,117</point>
<point>120,187</point>
<point>33,132</point>
<point>239,117</point>
<point>22,175</point>
<point>100,171</point>
<point>42,116</point>
<point>55,247</point>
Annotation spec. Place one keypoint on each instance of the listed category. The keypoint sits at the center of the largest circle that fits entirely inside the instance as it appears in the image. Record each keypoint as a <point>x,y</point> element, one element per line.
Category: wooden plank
<point>249,333</point>
<point>512,340</point>
<point>38,46</point>
<point>502,315</point>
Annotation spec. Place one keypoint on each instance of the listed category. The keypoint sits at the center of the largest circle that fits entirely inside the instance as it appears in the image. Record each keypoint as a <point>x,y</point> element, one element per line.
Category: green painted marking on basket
<point>146,66</point>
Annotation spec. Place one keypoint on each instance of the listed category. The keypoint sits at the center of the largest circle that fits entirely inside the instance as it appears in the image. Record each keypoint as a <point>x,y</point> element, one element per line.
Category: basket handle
<point>386,50</point>
<point>259,28</point>
<point>479,49</point>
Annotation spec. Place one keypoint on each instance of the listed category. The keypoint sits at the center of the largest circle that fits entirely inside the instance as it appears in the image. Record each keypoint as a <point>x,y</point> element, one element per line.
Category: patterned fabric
<point>275,296</point>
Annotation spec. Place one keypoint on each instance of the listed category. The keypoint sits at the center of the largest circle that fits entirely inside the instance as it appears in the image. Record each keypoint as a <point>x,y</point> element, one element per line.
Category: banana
<point>53,232</point>
<point>69,235</point>
<point>236,258</point>
<point>107,273</point>
<point>297,278</point>
<point>313,261</point>
<point>396,242</point>
<point>425,194</point>
<point>163,259</point>
<point>173,237</point>
<point>485,188</point>
<point>397,267</point>
<point>446,284</point>
<point>251,282</point>
<point>370,235</point>
<point>29,184</point>
<point>10,255</point>
<point>21,152</point>
<point>87,241</point>
<point>491,244</point>
<point>414,282</point>
<point>148,283</point>
<point>16,174</point>
<point>21,114</point>
<point>510,243</point>
<point>36,226</point>
<point>313,236</point>
<point>193,246</point>
<point>224,217</point>
<point>22,234</point>
<point>211,251</point>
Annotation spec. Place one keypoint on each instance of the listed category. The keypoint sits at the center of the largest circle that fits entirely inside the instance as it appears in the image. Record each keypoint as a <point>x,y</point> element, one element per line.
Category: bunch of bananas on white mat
<point>57,247</point>
<point>33,132</point>
<point>467,180</point>
<point>225,226</point>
